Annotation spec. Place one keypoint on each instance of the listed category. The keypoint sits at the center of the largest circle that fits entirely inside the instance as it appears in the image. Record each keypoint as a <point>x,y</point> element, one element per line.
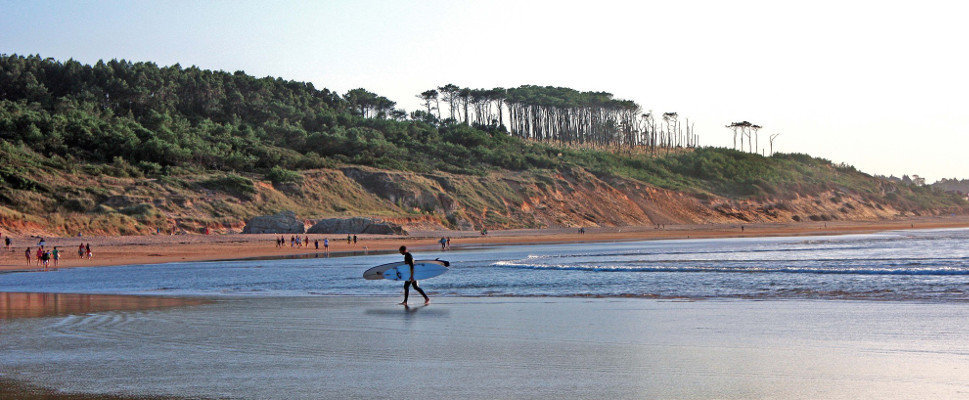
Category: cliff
<point>69,203</point>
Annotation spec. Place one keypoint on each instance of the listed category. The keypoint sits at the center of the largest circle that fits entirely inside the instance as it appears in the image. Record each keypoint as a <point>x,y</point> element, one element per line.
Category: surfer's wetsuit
<point>409,260</point>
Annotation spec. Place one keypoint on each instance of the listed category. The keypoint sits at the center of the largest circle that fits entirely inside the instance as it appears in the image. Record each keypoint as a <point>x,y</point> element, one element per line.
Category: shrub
<point>138,210</point>
<point>233,184</point>
<point>281,175</point>
<point>79,205</point>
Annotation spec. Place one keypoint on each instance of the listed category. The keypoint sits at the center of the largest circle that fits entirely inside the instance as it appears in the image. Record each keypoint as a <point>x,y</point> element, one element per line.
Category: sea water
<point>314,328</point>
<point>917,265</point>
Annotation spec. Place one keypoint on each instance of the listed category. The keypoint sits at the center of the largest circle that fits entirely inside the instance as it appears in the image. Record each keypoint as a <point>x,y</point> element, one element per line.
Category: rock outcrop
<point>283,222</point>
<point>356,225</point>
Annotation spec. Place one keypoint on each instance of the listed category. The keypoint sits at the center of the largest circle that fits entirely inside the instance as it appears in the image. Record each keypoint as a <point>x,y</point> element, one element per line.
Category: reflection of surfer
<point>409,260</point>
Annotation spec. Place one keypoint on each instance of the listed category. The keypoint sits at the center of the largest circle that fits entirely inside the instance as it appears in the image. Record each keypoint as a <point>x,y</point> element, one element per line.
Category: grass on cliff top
<point>739,175</point>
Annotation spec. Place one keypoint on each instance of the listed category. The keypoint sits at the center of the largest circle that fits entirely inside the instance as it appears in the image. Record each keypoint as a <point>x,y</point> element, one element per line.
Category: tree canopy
<point>162,117</point>
<point>548,113</point>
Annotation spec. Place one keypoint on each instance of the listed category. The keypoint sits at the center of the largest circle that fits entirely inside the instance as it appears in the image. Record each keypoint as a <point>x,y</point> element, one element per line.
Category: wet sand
<point>36,305</point>
<point>126,250</point>
<point>41,305</point>
<point>14,390</point>
<point>486,348</point>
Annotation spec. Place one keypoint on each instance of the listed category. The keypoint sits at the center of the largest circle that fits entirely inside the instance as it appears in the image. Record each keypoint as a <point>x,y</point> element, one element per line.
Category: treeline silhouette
<point>547,113</point>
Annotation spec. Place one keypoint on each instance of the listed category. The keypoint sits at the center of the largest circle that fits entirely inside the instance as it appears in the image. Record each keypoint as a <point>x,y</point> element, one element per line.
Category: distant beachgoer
<point>449,242</point>
<point>40,255</point>
<point>27,255</point>
<point>354,239</point>
<point>292,241</point>
<point>56,255</point>
<point>306,241</point>
<point>7,241</point>
<point>443,242</point>
<point>409,260</point>
<point>42,243</point>
<point>80,250</point>
<point>741,228</point>
<point>316,242</point>
<point>45,260</point>
<point>326,246</point>
<point>348,239</point>
<point>87,249</point>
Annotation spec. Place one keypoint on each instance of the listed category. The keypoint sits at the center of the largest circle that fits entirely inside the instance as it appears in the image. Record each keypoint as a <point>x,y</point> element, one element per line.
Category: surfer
<point>409,260</point>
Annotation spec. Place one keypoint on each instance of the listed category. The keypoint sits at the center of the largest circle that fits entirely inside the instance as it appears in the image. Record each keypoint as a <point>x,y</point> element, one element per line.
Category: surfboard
<point>398,271</point>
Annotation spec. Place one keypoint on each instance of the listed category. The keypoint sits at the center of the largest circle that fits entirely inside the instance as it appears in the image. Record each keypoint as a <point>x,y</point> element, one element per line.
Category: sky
<point>883,86</point>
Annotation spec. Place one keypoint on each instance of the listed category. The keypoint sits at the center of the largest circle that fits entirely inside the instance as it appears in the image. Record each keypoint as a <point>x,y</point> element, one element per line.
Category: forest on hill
<point>164,117</point>
<point>140,120</point>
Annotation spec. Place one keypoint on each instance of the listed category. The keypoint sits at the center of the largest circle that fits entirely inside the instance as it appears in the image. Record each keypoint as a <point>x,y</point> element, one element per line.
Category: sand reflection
<point>32,305</point>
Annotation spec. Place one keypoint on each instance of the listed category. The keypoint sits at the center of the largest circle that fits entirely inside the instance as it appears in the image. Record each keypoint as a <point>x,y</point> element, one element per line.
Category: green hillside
<point>64,123</point>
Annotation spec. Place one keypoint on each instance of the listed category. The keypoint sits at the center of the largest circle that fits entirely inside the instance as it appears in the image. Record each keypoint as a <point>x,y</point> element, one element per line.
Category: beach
<point>154,249</point>
<point>486,348</point>
<point>861,315</point>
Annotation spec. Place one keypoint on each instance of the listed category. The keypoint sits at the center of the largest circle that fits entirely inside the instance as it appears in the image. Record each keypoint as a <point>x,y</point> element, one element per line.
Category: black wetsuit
<point>409,260</point>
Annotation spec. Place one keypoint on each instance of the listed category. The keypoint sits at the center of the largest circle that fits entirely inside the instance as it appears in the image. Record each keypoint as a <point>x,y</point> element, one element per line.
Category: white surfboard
<point>399,271</point>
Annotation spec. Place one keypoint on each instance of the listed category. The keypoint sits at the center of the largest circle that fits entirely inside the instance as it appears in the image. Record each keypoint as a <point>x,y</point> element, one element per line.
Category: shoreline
<point>156,249</point>
<point>656,348</point>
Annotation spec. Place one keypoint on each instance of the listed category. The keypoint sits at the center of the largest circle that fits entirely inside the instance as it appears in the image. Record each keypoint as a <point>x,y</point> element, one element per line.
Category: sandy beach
<point>126,250</point>
<point>486,348</point>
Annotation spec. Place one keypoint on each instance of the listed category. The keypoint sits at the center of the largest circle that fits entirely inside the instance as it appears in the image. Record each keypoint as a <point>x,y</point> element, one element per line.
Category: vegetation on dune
<point>225,130</point>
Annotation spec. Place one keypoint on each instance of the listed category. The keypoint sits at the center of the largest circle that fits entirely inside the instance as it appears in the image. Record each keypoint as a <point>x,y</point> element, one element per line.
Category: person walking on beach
<point>348,240</point>
<point>443,243</point>
<point>56,255</point>
<point>27,255</point>
<point>45,260</point>
<point>316,242</point>
<point>354,240</point>
<point>326,246</point>
<point>40,255</point>
<point>80,250</point>
<point>409,260</point>
<point>87,248</point>
<point>7,242</point>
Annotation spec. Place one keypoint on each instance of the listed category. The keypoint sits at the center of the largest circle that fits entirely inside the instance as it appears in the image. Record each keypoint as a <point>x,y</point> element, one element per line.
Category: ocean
<point>916,265</point>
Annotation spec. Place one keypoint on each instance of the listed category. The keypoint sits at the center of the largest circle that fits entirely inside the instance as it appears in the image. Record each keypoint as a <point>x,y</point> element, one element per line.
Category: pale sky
<point>881,85</point>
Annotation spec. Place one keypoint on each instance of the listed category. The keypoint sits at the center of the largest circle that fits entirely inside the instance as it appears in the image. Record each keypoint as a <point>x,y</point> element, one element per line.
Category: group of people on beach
<point>44,257</point>
<point>50,258</point>
<point>297,241</point>
<point>294,241</point>
<point>304,241</point>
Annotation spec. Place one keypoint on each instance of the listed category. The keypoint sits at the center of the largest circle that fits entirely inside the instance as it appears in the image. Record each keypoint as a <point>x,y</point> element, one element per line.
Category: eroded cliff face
<point>498,200</point>
<point>575,198</point>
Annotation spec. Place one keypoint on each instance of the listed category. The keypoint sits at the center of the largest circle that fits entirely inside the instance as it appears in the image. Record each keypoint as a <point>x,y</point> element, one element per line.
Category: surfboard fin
<point>446,263</point>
